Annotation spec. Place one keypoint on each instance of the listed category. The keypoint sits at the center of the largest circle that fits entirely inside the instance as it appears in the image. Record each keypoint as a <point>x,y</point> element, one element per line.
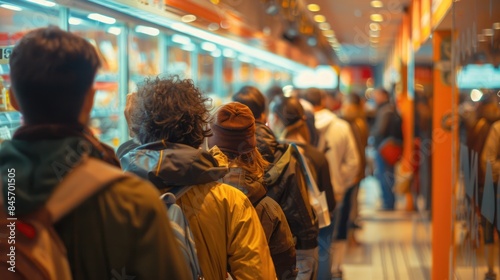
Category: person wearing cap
<point>171,120</point>
<point>234,144</point>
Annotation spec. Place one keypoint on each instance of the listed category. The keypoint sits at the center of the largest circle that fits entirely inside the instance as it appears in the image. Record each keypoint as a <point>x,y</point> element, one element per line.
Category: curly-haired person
<point>170,119</point>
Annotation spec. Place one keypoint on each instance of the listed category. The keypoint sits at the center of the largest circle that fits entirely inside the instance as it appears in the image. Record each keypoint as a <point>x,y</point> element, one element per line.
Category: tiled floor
<point>394,245</point>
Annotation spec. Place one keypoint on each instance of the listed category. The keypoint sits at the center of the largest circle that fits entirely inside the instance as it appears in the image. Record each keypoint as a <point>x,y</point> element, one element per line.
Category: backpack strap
<point>80,184</point>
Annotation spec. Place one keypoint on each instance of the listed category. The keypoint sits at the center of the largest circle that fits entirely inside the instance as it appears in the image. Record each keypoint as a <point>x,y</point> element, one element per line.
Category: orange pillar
<point>442,149</point>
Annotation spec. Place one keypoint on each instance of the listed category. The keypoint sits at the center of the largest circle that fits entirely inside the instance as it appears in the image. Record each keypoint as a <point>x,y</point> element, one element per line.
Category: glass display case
<point>179,56</point>
<point>144,60</point>
<point>104,37</point>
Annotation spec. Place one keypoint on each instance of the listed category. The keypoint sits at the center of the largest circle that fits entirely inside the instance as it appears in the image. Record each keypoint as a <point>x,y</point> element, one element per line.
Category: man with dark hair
<point>121,229</point>
<point>171,121</point>
<point>255,100</point>
<point>285,182</point>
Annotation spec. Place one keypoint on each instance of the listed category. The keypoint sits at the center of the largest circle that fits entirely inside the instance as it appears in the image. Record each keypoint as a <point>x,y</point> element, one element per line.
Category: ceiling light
<point>376,17</point>
<point>188,18</point>
<point>74,21</point>
<point>374,33</point>
<point>228,53</point>
<point>377,4</point>
<point>496,25</point>
<point>374,40</point>
<point>151,31</point>
<point>115,30</point>
<point>488,32</point>
<point>214,2</point>
<point>476,95</point>
<point>313,7</point>
<point>374,26</point>
<point>328,33</point>
<point>324,26</point>
<point>481,38</point>
<point>213,26</point>
<point>181,39</point>
<point>102,18</point>
<point>11,7</point>
<point>43,3</point>
<point>188,48</point>
<point>319,18</point>
<point>209,47</point>
<point>216,53</point>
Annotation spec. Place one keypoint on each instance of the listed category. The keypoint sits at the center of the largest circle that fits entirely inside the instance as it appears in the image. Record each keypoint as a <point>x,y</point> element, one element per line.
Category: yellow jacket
<point>234,239</point>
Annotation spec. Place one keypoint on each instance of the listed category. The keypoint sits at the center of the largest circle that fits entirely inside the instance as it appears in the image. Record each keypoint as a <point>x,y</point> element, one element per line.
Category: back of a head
<point>273,92</point>
<point>314,96</point>
<point>253,98</point>
<point>233,127</point>
<point>288,110</point>
<point>170,109</point>
<point>353,99</point>
<point>52,71</point>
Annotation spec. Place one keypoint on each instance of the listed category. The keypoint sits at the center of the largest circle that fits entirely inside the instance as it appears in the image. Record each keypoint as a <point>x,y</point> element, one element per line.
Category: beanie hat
<point>233,128</point>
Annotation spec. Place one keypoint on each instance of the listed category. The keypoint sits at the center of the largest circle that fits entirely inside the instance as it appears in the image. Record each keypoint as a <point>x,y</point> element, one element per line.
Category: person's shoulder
<point>132,190</point>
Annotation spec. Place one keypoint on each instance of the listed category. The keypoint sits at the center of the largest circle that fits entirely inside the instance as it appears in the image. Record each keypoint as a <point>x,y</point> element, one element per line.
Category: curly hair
<point>171,109</point>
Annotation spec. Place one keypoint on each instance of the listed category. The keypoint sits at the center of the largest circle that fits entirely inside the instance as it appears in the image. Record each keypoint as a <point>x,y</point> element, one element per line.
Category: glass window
<point>179,56</point>
<point>143,56</point>
<point>106,111</point>
<point>206,72</point>
<point>15,21</point>
<point>262,77</point>
<point>228,77</point>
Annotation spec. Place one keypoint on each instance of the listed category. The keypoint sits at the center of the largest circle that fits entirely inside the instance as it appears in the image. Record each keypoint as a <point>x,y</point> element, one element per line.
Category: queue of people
<point>266,187</point>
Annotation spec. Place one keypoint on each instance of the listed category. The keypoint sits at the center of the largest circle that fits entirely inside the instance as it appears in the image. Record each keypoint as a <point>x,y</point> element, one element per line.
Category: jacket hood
<point>172,165</point>
<point>323,118</point>
<point>240,178</point>
<point>278,168</point>
<point>39,166</point>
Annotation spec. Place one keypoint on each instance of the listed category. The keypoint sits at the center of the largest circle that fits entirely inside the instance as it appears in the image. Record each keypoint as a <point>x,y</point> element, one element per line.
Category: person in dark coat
<point>287,118</point>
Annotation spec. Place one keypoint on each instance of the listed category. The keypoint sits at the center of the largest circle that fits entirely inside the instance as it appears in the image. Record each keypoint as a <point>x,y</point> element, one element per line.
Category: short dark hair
<point>314,96</point>
<point>52,71</point>
<point>170,109</point>
<point>253,98</point>
<point>354,99</point>
<point>272,92</point>
<point>288,109</point>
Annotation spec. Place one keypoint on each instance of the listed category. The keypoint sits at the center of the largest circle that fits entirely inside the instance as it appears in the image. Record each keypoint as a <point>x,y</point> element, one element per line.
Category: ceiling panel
<point>350,20</point>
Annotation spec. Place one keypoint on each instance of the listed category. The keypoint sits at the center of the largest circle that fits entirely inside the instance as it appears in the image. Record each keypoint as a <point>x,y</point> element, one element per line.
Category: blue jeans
<point>325,240</point>
<point>385,175</point>
<point>307,263</point>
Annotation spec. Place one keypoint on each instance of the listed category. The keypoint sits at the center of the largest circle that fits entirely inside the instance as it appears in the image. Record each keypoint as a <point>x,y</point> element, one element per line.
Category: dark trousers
<point>343,216</point>
<point>385,175</point>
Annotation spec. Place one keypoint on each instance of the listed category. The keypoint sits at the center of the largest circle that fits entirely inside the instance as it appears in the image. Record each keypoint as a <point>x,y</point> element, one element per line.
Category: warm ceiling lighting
<point>188,18</point>
<point>496,25</point>
<point>377,4</point>
<point>376,17</point>
<point>374,40</point>
<point>319,18</point>
<point>374,33</point>
<point>151,31</point>
<point>214,2</point>
<point>313,7</point>
<point>374,26</point>
<point>488,32</point>
<point>324,26</point>
<point>328,33</point>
